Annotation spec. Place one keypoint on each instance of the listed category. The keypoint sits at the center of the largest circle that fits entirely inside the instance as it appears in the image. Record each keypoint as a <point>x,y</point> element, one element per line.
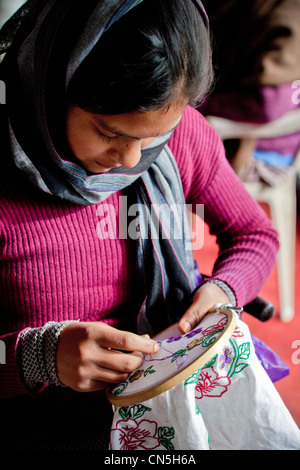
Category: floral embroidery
<point>193,332</point>
<point>194,343</point>
<point>241,354</point>
<point>210,384</point>
<point>225,358</point>
<point>214,328</point>
<point>174,338</point>
<point>134,435</point>
<point>231,361</point>
<point>135,376</point>
<point>140,435</point>
<point>165,435</point>
<point>187,335</point>
<point>133,431</point>
<point>212,361</point>
<point>150,370</point>
<point>119,388</point>
<point>180,356</point>
<point>237,333</point>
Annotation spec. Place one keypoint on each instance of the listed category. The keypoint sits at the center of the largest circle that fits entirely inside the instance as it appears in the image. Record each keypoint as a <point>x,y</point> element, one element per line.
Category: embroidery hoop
<point>188,370</point>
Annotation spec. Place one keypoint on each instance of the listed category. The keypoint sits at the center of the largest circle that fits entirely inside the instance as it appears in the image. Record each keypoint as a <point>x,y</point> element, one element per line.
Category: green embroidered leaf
<point>137,411</point>
<point>210,339</point>
<point>120,388</point>
<point>166,433</point>
<point>244,350</point>
<point>149,371</point>
<point>178,354</point>
<point>167,444</point>
<point>240,367</point>
<point>198,412</point>
<point>124,412</point>
<point>212,361</point>
<point>193,379</point>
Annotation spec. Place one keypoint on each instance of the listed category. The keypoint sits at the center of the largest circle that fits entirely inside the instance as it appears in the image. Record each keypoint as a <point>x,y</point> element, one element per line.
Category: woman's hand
<point>206,297</point>
<point>90,357</point>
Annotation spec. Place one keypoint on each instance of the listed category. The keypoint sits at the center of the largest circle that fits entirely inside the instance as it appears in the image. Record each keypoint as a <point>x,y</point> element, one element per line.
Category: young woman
<point>99,119</point>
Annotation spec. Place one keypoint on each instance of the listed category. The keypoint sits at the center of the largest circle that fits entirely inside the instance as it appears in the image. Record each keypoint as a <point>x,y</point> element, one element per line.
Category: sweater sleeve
<point>29,360</point>
<point>11,383</point>
<point>248,243</point>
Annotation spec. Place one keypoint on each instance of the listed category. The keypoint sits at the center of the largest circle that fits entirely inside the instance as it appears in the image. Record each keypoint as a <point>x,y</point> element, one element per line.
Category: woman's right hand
<point>92,355</point>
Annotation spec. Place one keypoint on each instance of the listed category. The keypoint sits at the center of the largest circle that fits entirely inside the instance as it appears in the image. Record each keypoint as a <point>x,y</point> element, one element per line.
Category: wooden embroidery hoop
<point>185,373</point>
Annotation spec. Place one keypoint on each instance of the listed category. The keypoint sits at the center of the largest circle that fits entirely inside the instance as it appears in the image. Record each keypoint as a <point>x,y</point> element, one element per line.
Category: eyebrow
<point>115,130</point>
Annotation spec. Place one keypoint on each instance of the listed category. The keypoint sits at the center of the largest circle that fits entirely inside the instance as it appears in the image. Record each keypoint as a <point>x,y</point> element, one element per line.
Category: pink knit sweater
<point>54,267</point>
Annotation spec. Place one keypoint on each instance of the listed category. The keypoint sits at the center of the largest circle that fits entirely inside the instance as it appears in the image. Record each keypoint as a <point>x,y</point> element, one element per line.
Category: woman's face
<point>102,142</point>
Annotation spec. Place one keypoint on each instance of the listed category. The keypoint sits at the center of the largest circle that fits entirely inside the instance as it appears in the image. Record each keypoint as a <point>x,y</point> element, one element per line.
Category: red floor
<point>278,335</point>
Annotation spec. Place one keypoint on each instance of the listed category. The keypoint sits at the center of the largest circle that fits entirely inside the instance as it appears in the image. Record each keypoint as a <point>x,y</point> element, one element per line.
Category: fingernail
<point>156,347</point>
<point>186,326</point>
<point>138,354</point>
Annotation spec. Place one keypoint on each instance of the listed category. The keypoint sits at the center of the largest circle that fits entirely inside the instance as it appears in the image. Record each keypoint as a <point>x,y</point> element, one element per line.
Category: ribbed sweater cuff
<point>225,287</point>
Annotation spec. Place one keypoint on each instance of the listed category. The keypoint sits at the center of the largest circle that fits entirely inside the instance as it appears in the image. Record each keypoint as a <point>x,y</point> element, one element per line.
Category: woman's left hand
<point>206,297</point>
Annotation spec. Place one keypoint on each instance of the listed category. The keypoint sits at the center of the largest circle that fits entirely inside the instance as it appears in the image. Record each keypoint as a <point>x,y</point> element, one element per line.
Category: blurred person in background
<point>257,64</point>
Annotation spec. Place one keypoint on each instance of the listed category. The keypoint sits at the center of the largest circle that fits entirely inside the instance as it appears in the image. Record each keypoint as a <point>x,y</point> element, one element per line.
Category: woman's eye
<point>106,138</point>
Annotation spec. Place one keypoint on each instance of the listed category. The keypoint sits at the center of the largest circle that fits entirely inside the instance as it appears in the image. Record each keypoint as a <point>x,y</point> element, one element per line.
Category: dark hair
<point>157,52</point>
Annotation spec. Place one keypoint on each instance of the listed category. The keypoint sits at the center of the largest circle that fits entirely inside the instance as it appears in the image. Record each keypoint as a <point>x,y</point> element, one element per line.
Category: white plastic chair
<point>280,198</point>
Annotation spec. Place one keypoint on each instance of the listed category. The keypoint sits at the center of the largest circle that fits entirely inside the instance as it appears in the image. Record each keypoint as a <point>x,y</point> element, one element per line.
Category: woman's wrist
<point>225,288</point>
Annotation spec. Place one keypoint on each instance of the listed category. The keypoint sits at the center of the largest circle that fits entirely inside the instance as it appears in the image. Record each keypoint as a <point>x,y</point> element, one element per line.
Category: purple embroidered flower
<point>193,333</point>
<point>225,358</point>
<point>174,338</point>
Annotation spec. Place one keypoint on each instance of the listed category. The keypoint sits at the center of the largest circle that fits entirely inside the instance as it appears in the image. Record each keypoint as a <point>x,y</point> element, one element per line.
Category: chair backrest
<point>285,125</point>
<point>228,129</point>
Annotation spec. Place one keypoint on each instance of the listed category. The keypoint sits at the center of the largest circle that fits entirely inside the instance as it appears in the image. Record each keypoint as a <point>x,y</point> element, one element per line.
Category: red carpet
<point>278,335</point>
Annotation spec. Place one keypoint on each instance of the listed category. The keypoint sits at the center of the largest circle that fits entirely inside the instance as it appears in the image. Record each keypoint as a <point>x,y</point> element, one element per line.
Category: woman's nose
<point>130,154</point>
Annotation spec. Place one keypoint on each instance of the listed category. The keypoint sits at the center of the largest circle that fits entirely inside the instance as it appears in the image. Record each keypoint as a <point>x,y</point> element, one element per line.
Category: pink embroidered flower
<point>133,435</point>
<point>237,333</point>
<point>210,384</point>
<point>213,328</point>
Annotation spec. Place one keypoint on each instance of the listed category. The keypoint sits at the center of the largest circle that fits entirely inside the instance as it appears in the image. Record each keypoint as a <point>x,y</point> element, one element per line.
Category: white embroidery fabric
<point>229,404</point>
